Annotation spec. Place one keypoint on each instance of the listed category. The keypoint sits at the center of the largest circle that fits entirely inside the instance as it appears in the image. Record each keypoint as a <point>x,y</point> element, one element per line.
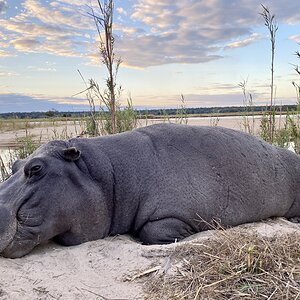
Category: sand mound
<point>113,268</point>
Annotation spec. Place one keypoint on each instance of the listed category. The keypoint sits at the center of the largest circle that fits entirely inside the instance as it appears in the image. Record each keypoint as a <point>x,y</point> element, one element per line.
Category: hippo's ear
<point>71,153</point>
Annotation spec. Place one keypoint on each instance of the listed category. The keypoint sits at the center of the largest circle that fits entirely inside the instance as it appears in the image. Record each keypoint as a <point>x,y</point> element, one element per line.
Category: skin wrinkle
<point>113,200</point>
<point>294,180</point>
<point>82,165</point>
<point>152,143</point>
<point>20,197</point>
<point>155,151</point>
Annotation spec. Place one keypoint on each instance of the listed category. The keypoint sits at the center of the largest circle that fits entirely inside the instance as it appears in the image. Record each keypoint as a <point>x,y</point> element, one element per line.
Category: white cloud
<point>151,32</point>
<point>56,15</point>
<point>8,74</point>
<point>295,38</point>
<point>191,31</point>
<point>57,29</point>
<point>59,47</point>
<point>4,53</point>
<point>42,69</point>
<point>38,102</point>
<point>121,11</point>
<point>75,2</point>
<point>244,42</point>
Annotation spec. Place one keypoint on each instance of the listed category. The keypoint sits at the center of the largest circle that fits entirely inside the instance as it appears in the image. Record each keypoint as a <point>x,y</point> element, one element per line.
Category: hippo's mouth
<point>22,234</point>
<point>8,234</point>
<point>22,241</point>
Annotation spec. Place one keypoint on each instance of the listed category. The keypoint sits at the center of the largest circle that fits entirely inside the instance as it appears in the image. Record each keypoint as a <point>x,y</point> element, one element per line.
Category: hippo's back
<point>215,172</point>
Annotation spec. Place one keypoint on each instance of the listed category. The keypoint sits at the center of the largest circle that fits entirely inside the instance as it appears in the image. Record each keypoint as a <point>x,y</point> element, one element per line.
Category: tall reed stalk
<point>104,23</point>
<point>271,24</point>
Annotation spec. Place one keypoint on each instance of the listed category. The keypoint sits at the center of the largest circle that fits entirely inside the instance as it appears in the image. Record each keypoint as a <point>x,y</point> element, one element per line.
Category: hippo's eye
<point>35,169</point>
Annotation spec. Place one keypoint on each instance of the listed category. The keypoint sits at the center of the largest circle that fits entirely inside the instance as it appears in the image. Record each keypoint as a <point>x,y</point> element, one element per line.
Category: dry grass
<point>232,266</point>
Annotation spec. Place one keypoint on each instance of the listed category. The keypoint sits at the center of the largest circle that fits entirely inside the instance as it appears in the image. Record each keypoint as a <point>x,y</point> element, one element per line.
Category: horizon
<point>201,50</point>
<point>151,109</point>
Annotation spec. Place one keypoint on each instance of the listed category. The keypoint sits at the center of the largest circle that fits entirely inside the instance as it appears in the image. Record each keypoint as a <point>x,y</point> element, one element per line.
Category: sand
<point>107,269</point>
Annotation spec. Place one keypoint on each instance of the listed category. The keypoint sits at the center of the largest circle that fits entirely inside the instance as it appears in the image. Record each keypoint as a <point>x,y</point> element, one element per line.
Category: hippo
<point>160,184</point>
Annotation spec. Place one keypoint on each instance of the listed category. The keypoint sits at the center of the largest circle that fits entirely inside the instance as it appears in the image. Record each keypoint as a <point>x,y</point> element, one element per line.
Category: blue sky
<point>201,49</point>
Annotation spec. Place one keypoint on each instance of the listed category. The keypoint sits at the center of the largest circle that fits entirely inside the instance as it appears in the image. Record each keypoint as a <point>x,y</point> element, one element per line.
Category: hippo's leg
<point>164,231</point>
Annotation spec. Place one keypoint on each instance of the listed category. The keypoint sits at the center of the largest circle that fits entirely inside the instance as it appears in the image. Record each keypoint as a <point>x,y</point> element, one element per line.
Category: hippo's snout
<point>8,226</point>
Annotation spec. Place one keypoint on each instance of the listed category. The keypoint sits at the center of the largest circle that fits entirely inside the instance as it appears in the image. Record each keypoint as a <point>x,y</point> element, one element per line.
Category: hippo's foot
<point>164,231</point>
<point>294,219</point>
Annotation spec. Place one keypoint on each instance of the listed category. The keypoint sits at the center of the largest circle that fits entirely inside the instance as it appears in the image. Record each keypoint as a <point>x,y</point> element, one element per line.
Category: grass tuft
<point>235,265</point>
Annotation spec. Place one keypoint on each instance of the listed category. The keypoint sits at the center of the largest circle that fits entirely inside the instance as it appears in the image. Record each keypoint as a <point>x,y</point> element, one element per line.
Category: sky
<point>199,49</point>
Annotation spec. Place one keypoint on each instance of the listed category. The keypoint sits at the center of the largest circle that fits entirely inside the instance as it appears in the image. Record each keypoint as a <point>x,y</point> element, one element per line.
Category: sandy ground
<point>108,269</point>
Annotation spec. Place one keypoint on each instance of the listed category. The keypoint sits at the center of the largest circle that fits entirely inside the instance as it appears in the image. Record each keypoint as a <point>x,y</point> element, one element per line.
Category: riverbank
<point>43,131</point>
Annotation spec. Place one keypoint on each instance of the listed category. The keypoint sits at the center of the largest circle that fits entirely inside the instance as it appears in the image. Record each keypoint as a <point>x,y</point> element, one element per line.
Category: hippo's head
<point>51,194</point>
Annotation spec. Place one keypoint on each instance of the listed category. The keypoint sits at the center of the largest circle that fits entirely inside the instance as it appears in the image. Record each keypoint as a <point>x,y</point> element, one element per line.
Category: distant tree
<point>51,113</point>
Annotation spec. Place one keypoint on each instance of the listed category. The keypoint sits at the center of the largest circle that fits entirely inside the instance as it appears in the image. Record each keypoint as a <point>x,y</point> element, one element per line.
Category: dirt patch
<point>112,268</point>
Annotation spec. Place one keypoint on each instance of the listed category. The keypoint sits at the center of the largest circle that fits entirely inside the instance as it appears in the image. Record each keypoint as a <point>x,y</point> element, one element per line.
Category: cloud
<point>75,2</point>
<point>4,53</point>
<point>42,69</point>
<point>26,44</point>
<point>34,29</point>
<point>149,50</point>
<point>8,74</point>
<point>3,6</point>
<point>59,47</point>
<point>195,31</point>
<point>28,103</point>
<point>245,42</point>
<point>295,38</point>
<point>193,100</point>
<point>121,11</point>
<point>55,28</point>
<point>150,32</point>
<point>56,15</point>
<point>176,34</point>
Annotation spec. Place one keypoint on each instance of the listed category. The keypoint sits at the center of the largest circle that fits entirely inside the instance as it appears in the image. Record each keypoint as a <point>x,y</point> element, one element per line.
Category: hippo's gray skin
<point>160,183</point>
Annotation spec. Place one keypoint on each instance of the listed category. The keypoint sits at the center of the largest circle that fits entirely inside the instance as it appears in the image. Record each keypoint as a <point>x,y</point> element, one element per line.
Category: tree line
<point>144,113</point>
